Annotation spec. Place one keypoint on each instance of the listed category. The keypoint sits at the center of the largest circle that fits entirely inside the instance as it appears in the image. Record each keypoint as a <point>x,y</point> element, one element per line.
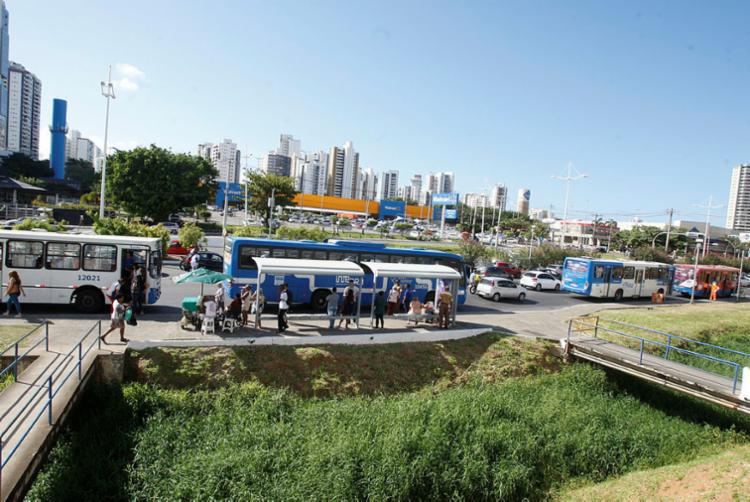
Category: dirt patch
<point>711,481</point>
<point>346,370</point>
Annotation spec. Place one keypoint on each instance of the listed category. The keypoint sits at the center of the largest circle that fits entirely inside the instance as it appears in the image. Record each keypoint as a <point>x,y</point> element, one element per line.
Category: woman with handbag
<point>13,290</point>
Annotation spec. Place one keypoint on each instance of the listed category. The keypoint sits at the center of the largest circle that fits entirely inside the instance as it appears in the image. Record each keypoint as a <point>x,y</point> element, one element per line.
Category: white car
<point>745,281</point>
<point>539,280</point>
<point>495,288</point>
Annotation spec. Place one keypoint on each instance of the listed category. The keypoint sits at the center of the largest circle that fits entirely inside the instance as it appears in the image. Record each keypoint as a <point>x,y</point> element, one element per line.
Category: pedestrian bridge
<point>710,372</point>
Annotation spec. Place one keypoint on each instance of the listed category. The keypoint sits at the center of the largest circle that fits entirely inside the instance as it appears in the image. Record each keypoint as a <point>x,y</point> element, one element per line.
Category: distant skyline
<point>648,98</point>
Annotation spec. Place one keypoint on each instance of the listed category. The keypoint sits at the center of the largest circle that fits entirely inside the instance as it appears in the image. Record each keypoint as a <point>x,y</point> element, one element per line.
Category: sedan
<point>539,280</point>
<point>211,261</point>
<point>176,248</point>
<point>496,288</point>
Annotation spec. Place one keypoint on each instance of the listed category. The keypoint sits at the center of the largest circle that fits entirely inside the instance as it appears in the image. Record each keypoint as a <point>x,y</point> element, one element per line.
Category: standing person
<point>379,309</point>
<point>714,291</point>
<point>355,291</point>
<point>406,297</point>
<point>347,307</point>
<point>219,297</point>
<point>127,264</point>
<point>415,311</point>
<point>115,289</point>
<point>445,302</point>
<point>332,306</point>
<point>194,262</point>
<point>393,297</point>
<point>13,290</point>
<point>138,287</point>
<point>258,303</point>
<point>246,296</point>
<point>289,298</point>
<point>283,307</point>
<point>117,318</point>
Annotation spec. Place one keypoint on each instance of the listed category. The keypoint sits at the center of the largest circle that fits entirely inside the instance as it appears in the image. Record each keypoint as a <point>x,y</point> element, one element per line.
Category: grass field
<point>723,476</point>
<point>725,324</point>
<point>491,418</point>
<point>9,333</point>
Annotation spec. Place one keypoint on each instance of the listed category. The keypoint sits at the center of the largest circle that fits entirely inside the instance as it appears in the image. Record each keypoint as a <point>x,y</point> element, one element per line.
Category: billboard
<point>451,214</point>
<point>444,199</point>
<point>236,193</point>
<point>391,208</point>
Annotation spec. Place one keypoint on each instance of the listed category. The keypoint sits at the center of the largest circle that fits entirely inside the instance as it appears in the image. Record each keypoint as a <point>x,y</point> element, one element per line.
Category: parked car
<point>171,226</point>
<point>745,281</point>
<point>510,268</point>
<point>551,271</point>
<point>493,272</point>
<point>175,247</point>
<point>496,288</point>
<point>538,280</point>
<point>211,261</point>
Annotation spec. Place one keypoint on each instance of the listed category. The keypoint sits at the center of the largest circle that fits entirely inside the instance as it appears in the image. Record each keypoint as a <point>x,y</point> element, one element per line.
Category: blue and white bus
<point>615,279</point>
<point>240,251</point>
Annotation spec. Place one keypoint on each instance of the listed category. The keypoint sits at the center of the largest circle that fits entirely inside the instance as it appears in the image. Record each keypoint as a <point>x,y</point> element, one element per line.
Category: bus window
<point>599,272</point>
<point>320,255</point>
<point>278,253</point>
<point>292,253</point>
<point>246,257</point>
<point>617,274</point>
<point>396,258</point>
<point>155,269</point>
<point>652,273</point>
<point>335,256</point>
<point>25,254</point>
<point>99,258</point>
<point>628,273</point>
<point>366,257</point>
<point>63,256</point>
<point>306,254</point>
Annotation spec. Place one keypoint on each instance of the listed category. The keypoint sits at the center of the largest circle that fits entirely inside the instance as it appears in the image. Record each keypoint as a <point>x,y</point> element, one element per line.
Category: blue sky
<point>650,99</point>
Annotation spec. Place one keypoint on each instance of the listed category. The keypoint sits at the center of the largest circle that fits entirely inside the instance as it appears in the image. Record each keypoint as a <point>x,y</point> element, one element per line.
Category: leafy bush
<point>191,235</point>
<point>646,253</point>
<point>243,231</point>
<point>301,233</point>
<point>33,224</point>
<point>119,226</point>
<point>547,254</point>
<point>474,252</point>
<point>520,439</point>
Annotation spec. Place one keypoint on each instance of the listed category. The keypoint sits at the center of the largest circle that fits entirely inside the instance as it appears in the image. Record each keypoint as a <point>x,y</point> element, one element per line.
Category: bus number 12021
<point>89,277</point>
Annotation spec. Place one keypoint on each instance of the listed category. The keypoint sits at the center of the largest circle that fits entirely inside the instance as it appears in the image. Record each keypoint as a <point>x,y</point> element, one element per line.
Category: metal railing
<point>643,342</point>
<point>54,383</point>
<point>16,346</point>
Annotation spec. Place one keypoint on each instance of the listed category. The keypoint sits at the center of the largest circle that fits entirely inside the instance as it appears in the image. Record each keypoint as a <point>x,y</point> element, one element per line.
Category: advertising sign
<point>451,214</point>
<point>391,208</point>
<point>445,199</point>
<point>236,193</point>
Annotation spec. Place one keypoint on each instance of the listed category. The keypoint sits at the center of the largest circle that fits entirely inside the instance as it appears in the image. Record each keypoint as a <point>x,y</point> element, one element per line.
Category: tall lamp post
<point>108,91</point>
<point>698,242</point>
<point>567,179</point>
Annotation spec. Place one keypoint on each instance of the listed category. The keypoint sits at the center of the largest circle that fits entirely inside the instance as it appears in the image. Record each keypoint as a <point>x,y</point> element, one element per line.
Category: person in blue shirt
<point>406,298</point>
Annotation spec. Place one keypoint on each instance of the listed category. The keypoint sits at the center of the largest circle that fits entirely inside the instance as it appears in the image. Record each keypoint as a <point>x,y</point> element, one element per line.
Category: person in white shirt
<point>194,262</point>
<point>117,318</point>
<point>219,297</point>
<point>209,308</point>
<point>283,307</point>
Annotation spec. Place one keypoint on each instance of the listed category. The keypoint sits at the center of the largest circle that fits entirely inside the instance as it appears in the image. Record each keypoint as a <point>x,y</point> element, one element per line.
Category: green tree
<point>119,226</point>
<point>191,235</point>
<point>83,172</point>
<point>155,182</point>
<point>260,187</point>
<point>474,252</point>
<point>18,164</point>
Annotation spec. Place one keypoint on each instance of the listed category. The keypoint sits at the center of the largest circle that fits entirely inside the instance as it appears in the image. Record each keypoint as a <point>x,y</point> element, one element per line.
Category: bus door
<point>638,287</point>
<point>615,280</point>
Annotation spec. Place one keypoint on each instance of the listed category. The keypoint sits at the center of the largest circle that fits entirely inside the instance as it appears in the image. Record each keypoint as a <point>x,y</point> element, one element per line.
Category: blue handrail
<point>51,392</point>
<point>18,357</point>
<point>671,336</point>
<point>644,341</point>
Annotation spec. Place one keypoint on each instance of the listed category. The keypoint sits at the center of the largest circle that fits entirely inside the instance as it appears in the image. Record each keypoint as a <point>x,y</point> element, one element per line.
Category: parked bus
<point>239,263</point>
<point>76,268</point>
<point>615,279</point>
<point>725,277</point>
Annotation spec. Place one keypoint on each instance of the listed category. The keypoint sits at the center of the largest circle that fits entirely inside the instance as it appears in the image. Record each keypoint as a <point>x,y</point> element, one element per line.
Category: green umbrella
<point>202,276</point>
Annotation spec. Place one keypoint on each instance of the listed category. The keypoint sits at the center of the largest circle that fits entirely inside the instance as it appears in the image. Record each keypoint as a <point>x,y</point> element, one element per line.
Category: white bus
<point>77,268</point>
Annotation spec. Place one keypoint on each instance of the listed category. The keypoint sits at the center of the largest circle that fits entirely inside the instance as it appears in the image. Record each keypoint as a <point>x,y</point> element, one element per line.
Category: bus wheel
<point>89,300</point>
<point>618,295</point>
<point>318,300</point>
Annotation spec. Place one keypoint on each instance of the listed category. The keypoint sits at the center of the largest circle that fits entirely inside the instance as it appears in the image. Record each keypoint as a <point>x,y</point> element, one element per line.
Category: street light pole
<point>108,91</point>
<point>271,204</point>
<point>739,278</point>
<point>567,179</point>
<point>695,270</point>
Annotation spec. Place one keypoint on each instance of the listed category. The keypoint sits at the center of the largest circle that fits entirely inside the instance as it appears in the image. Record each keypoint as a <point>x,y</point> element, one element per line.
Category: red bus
<point>726,277</point>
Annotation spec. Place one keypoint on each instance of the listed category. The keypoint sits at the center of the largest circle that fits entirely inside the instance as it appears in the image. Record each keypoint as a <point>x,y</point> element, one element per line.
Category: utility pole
<point>567,179</point>
<point>108,91</point>
<point>739,278</point>
<point>708,207</point>
<point>695,271</point>
<point>271,204</point>
<point>670,212</point>
<point>593,235</point>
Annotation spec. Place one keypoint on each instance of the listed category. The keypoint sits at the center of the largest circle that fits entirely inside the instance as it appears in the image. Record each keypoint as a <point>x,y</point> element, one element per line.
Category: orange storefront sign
<point>313,202</point>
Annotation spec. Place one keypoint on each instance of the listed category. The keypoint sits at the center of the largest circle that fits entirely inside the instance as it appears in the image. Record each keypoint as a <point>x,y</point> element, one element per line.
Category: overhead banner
<point>445,199</point>
<point>391,208</point>
<point>451,214</point>
<point>235,192</point>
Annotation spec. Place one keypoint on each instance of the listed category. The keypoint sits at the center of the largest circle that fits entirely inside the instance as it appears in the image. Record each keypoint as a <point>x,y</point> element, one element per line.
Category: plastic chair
<point>208,325</point>
<point>229,324</point>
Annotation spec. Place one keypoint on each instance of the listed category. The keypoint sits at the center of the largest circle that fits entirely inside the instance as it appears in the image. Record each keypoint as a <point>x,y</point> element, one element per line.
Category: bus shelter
<point>449,276</point>
<point>289,266</point>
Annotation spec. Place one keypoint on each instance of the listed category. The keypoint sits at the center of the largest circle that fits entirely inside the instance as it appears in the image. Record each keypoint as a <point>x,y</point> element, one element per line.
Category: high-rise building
<point>475,200</point>
<point>524,198</point>
<point>416,187</point>
<point>80,148</point>
<point>274,163</point>
<point>343,171</point>
<point>738,209</point>
<point>4,75</point>
<point>288,146</point>
<point>225,157</point>
<point>369,185</point>
<point>445,182</point>
<point>24,109</point>
<point>404,193</point>
<point>310,173</point>
<point>499,197</point>
<point>389,185</point>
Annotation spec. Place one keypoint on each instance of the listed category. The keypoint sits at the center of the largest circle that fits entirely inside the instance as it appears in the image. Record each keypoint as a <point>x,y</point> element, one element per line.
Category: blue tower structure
<point>58,129</point>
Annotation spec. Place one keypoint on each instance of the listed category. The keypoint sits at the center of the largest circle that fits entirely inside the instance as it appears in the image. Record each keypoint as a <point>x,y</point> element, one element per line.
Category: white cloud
<point>128,77</point>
